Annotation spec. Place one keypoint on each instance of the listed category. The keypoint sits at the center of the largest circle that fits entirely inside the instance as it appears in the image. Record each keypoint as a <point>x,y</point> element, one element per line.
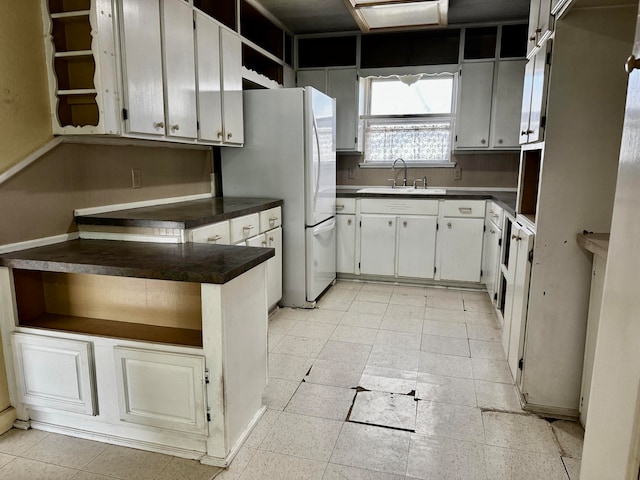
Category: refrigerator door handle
<point>317,137</point>
<point>320,229</point>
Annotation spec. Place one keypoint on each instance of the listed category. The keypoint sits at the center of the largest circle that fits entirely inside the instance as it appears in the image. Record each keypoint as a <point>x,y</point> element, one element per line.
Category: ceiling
<point>316,16</point>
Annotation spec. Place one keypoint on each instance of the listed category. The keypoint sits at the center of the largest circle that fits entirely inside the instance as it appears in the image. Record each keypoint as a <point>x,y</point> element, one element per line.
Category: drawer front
<point>399,206</point>
<point>217,233</point>
<point>495,213</point>
<point>244,227</point>
<point>270,219</point>
<point>345,205</point>
<point>464,208</point>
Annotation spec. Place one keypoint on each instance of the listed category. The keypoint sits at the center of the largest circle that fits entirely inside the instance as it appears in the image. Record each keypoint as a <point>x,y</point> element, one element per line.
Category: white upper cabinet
<point>209,79</point>
<point>342,84</point>
<point>506,104</point>
<point>534,96</point>
<point>540,23</point>
<point>474,111</point>
<point>180,69</point>
<point>233,120</point>
<point>142,66</point>
<point>313,78</point>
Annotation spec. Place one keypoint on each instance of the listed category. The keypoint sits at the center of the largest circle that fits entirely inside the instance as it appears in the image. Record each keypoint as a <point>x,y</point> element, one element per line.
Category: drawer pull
<point>465,210</point>
<point>247,227</point>
<point>270,240</point>
<point>214,239</point>
<point>272,221</point>
<point>264,243</point>
<point>339,207</point>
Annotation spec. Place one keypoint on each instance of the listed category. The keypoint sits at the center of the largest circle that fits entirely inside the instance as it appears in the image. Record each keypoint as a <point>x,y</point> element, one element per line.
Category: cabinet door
<point>346,243</point>
<point>209,94</point>
<point>534,98</point>
<point>524,240</point>
<point>161,389</point>
<point>507,104</point>
<point>460,241</point>
<point>312,78</point>
<point>180,69</point>
<point>274,267</point>
<point>491,250</point>
<point>55,373</point>
<point>233,120</point>
<point>377,244</point>
<point>474,105</point>
<point>416,246</point>
<point>142,60</point>
<point>342,85</point>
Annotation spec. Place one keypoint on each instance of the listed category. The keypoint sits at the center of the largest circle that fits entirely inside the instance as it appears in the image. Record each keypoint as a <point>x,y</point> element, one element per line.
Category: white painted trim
<point>124,141</point>
<point>355,188</point>
<point>7,417</point>
<point>129,237</point>
<point>116,440</point>
<point>259,79</point>
<point>29,159</point>
<point>143,203</point>
<point>38,242</point>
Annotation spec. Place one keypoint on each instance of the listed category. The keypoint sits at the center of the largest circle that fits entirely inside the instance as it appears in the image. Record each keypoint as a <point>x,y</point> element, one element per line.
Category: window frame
<point>366,118</point>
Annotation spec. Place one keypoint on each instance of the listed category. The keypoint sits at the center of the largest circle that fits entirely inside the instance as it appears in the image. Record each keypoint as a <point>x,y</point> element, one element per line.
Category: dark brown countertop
<point>186,262</point>
<point>183,215</point>
<point>506,200</point>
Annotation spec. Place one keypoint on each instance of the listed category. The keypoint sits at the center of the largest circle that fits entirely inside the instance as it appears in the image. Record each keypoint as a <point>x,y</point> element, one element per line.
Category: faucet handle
<point>424,182</point>
<point>393,185</point>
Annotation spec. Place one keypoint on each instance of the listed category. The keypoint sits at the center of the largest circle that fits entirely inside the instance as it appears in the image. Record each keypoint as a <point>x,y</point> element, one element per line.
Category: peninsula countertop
<point>186,262</point>
<point>182,215</point>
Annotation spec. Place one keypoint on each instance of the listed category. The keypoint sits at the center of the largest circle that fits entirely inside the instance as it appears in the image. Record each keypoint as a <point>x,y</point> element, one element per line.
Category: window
<point>409,117</point>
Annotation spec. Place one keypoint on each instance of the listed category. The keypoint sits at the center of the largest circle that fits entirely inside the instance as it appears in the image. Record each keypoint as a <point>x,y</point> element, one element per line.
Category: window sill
<point>388,165</point>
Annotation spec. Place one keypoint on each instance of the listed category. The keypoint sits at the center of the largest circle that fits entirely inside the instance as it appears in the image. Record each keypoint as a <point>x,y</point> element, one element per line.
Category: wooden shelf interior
<point>75,72</point>
<point>71,33</point>
<point>256,61</point>
<point>529,182</point>
<point>121,307</point>
<point>63,6</point>
<point>260,30</point>
<point>222,10</point>
<point>78,110</point>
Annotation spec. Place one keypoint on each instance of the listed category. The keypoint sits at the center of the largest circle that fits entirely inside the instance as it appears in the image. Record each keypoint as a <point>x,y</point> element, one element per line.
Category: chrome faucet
<point>404,180</point>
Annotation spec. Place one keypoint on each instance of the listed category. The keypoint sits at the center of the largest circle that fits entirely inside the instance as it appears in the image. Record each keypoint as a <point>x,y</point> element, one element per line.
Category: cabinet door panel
<point>180,69</point>
<point>461,249</point>
<point>416,246</point>
<point>161,389</point>
<point>538,96</point>
<point>490,255</point>
<point>474,108</point>
<point>274,267</point>
<point>377,244</point>
<point>232,87</point>
<point>142,58</point>
<point>346,243</point>
<point>506,104</point>
<point>525,113</point>
<point>55,373</point>
<point>343,86</point>
<point>209,93</point>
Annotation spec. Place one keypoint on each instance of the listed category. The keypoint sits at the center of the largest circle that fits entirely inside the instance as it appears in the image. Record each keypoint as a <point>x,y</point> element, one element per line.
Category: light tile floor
<point>380,382</point>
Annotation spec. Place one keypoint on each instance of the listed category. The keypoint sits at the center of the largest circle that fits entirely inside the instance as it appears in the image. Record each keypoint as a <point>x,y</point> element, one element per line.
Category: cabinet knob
<point>220,134</point>
<point>631,64</point>
<point>158,125</point>
<point>404,223</point>
<point>483,141</point>
<point>516,238</point>
<point>390,222</point>
<point>349,222</point>
<point>500,141</point>
<point>264,243</point>
<point>270,240</point>
<point>532,38</point>
<point>526,132</point>
<point>449,225</point>
<point>175,128</point>
<point>229,135</point>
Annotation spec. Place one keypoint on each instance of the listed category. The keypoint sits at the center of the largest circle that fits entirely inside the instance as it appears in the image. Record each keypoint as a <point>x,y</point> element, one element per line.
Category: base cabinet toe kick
<point>170,366</point>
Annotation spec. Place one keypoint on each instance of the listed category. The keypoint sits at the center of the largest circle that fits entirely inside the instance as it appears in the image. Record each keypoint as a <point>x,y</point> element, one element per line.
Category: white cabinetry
<point>492,249</point>
<point>517,296</point>
<point>55,373</point>
<point>343,85</point>
<point>231,59</point>
<point>346,235</point>
<point>460,240</point>
<point>400,239</point>
<point>534,96</point>
<point>540,23</point>
<point>489,104</point>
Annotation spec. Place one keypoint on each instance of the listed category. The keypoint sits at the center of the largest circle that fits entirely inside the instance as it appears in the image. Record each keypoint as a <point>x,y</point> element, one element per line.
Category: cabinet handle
<point>229,135</point>
<point>404,223</point>
<point>175,128</point>
<point>349,222</point>
<point>532,38</point>
<point>264,243</point>
<point>220,134</point>
<point>247,227</point>
<point>214,239</point>
<point>272,220</point>
<point>465,210</point>
<point>516,238</point>
<point>631,64</point>
<point>339,207</point>
<point>158,125</point>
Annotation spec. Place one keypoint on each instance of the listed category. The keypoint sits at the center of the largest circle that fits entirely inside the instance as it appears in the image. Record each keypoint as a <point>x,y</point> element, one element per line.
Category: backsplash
<point>497,170</point>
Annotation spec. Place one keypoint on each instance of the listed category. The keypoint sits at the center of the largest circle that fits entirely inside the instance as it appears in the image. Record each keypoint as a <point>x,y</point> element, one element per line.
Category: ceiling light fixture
<point>373,15</point>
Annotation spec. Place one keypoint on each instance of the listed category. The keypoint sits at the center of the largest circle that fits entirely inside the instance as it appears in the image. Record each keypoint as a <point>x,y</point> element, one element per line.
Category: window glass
<point>427,95</point>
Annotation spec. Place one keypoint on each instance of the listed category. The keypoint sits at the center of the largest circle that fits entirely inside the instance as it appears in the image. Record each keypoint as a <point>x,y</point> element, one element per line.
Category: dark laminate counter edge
<point>182,215</point>
<point>506,200</point>
<point>187,262</point>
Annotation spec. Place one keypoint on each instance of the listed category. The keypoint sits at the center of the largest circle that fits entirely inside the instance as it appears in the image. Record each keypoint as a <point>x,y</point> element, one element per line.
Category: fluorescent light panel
<point>398,14</point>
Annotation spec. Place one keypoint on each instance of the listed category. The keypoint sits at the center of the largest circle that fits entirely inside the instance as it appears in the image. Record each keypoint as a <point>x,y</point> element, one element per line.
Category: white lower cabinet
<point>55,373</point>
<point>416,246</point>
<point>460,242</point>
<point>161,389</point>
<point>346,243</point>
<point>377,244</point>
<point>274,267</point>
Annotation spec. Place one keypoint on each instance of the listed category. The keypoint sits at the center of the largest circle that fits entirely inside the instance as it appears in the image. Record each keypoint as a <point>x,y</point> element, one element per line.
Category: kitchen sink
<point>404,190</point>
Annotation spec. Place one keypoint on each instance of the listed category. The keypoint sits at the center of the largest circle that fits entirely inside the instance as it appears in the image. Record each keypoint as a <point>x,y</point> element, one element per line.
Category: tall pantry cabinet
<point>567,183</point>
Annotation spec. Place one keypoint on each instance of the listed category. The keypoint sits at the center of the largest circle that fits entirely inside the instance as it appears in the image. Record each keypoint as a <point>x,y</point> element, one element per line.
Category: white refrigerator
<point>290,153</point>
